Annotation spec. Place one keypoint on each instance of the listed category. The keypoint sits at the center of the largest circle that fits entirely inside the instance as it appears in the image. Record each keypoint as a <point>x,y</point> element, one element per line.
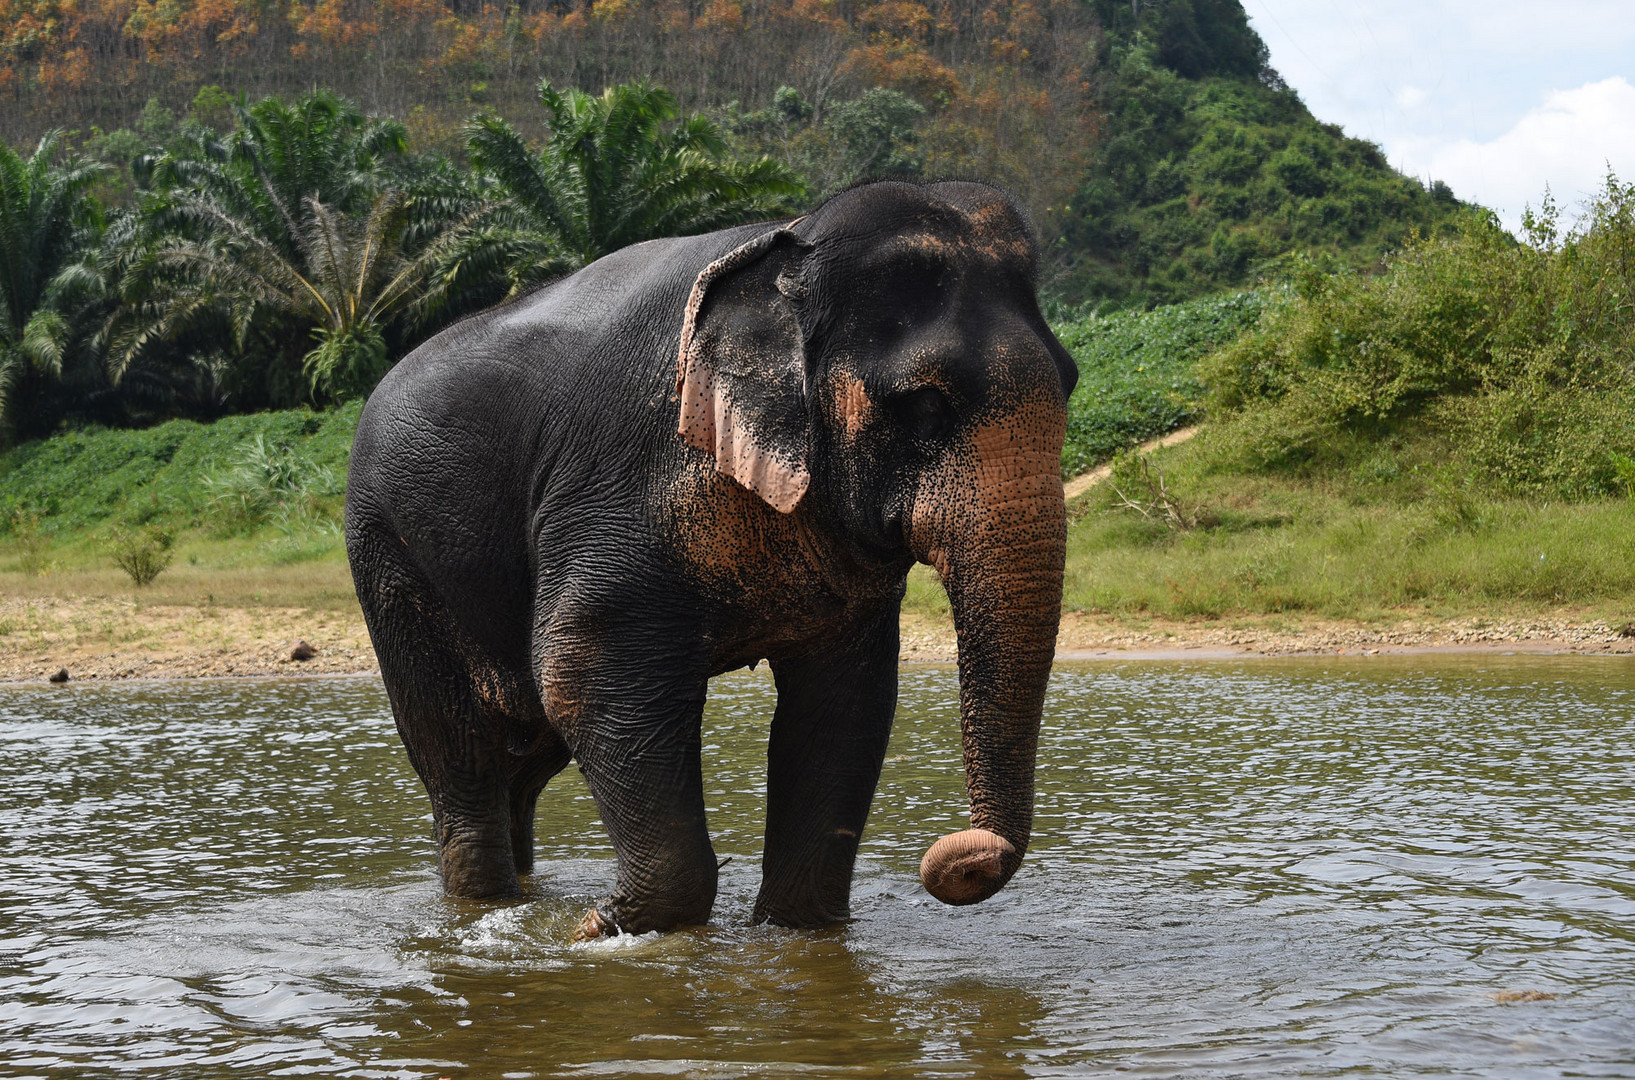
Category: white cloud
<point>1409,96</point>
<point>1480,63</point>
<point>1566,144</point>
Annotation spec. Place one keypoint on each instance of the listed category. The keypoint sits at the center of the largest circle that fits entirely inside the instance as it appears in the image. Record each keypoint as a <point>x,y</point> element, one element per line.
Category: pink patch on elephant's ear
<point>709,420</point>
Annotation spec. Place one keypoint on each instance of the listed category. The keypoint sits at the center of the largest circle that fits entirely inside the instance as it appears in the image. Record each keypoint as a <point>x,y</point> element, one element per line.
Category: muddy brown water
<point>1258,868</point>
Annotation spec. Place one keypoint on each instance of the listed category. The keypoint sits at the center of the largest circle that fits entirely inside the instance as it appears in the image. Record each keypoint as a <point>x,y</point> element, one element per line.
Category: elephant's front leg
<point>828,742</point>
<point>636,737</point>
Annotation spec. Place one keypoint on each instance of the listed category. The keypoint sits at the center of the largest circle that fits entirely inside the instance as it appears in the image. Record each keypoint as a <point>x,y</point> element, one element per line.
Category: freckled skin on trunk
<point>995,527</point>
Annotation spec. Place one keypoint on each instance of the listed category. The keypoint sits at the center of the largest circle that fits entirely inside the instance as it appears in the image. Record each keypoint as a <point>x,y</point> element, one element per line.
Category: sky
<point>1498,98</point>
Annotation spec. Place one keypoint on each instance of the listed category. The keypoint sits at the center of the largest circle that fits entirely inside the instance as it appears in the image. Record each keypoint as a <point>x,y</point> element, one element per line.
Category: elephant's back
<point>533,422</point>
<point>618,319</point>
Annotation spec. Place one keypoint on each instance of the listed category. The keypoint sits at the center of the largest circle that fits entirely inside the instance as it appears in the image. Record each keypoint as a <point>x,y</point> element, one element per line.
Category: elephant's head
<point>882,365</point>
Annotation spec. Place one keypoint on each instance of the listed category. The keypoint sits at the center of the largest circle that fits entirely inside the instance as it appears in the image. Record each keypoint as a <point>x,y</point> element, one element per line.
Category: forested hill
<point>1159,153</point>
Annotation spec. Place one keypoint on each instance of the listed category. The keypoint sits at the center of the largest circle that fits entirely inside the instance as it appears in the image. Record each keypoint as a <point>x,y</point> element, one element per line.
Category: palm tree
<point>47,218</point>
<point>614,170</point>
<point>280,232</point>
<point>348,277</point>
<point>319,146</point>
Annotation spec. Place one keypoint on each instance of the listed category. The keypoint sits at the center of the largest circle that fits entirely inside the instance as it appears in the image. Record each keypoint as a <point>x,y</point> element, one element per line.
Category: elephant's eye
<point>925,413</point>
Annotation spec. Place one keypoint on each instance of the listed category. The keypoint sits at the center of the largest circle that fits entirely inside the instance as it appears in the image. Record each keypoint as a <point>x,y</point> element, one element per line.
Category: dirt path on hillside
<point>1087,480</point>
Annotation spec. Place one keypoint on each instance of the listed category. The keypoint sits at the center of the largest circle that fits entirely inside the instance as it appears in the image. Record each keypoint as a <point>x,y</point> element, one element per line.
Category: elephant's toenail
<point>594,925</point>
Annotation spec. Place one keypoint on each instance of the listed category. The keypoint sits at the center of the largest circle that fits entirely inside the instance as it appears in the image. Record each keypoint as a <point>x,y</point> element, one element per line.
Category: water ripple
<point>1416,867</point>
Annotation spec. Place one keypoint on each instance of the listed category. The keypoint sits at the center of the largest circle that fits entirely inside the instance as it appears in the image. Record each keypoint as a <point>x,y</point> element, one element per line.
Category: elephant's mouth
<point>891,543</point>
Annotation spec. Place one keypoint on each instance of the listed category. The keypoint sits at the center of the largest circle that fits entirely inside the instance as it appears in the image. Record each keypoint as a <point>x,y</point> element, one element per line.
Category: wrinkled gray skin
<point>566,514</point>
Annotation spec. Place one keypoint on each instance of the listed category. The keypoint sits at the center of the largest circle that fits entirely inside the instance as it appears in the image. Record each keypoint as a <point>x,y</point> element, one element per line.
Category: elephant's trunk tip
<point>968,867</point>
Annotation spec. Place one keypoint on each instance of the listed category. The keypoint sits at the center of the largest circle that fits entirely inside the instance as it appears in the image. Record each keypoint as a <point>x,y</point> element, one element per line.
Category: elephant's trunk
<point>999,545</point>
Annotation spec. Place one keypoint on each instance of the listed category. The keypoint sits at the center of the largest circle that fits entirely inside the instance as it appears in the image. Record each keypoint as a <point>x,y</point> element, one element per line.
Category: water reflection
<point>1254,868</point>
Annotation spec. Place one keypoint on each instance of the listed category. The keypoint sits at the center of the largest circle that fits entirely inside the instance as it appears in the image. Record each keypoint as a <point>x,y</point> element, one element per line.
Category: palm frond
<point>45,340</point>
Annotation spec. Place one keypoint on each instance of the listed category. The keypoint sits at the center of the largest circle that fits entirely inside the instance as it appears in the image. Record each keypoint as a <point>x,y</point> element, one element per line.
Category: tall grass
<point>1286,546</point>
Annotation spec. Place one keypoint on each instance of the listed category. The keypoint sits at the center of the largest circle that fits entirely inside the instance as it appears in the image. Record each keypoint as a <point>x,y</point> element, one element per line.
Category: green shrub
<point>143,553</point>
<point>271,481</point>
<point>1520,354</point>
<point>31,546</point>
<point>1624,467</point>
<point>81,481</point>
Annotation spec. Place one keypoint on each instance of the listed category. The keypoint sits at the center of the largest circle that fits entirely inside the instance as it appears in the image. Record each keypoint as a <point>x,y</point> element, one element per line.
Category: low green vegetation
<point>1138,371</point>
<point>143,553</point>
<point>1343,549</point>
<point>265,488</point>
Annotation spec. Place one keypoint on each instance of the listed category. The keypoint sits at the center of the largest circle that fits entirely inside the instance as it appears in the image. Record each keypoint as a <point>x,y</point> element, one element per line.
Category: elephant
<point>566,514</point>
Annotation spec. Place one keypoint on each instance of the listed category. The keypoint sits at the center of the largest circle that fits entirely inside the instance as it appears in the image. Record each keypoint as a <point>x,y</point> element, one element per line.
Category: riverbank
<point>110,638</point>
<point>231,608</point>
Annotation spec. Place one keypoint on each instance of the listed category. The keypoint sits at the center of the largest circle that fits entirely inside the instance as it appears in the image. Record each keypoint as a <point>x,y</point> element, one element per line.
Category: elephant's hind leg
<point>485,820</point>
<point>462,716</point>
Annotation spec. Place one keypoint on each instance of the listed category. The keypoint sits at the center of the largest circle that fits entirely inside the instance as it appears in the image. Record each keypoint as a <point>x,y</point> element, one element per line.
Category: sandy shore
<point>109,638</point>
<point>1086,637</point>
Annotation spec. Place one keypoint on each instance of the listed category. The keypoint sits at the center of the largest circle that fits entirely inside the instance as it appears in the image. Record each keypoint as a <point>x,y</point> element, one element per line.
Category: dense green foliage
<point>1210,173</point>
<point>48,217</point>
<point>1517,359</point>
<point>236,473</point>
<point>1137,371</point>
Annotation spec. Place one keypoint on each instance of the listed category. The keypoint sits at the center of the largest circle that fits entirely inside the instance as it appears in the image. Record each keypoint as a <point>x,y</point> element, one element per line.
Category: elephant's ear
<point>741,374</point>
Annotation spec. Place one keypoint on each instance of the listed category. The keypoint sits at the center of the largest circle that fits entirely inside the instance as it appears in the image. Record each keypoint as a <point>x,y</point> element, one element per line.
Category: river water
<point>1250,868</point>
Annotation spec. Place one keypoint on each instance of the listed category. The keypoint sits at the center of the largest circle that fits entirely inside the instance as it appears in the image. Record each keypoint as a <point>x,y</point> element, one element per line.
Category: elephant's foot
<point>596,923</point>
<point>471,873</point>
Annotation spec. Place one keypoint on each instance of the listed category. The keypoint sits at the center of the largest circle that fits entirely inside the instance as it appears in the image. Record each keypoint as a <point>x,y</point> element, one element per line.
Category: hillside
<point>1160,156</point>
<point>1454,434</point>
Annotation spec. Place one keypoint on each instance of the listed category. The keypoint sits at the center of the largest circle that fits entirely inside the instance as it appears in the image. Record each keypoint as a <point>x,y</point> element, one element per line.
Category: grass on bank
<point>1341,548</point>
<point>206,573</point>
<point>1282,549</point>
<point>249,509</point>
